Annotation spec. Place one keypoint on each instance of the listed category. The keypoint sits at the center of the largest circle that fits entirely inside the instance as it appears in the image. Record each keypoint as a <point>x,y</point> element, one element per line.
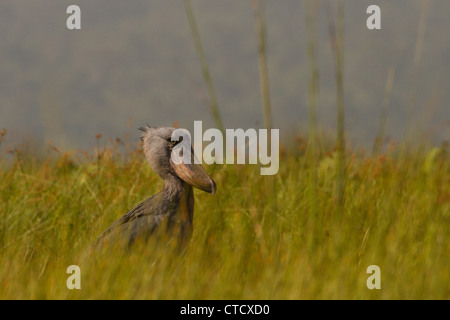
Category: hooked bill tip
<point>213,187</point>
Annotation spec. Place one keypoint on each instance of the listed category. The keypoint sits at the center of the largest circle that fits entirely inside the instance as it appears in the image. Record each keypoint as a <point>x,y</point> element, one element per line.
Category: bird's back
<point>157,216</point>
<point>142,221</point>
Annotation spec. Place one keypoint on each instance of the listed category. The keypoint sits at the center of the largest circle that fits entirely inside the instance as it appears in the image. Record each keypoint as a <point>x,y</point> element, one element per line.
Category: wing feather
<point>145,217</point>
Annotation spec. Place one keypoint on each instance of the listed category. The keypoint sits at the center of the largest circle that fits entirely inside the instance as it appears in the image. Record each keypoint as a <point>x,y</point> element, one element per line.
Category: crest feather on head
<point>144,130</point>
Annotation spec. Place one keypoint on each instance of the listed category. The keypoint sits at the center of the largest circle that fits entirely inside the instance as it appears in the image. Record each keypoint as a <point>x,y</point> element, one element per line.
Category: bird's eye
<point>174,142</point>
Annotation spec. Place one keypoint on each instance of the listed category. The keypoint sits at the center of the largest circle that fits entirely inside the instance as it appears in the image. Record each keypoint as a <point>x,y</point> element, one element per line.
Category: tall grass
<point>418,53</point>
<point>204,65</point>
<point>337,47</point>
<point>251,240</point>
<point>259,10</point>
<point>378,143</point>
<point>312,20</point>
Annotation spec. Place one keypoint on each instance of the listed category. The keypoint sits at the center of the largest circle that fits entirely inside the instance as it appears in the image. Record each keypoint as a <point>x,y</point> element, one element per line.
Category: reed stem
<point>312,18</point>
<point>261,29</point>
<point>384,112</point>
<point>205,67</point>
<point>337,47</point>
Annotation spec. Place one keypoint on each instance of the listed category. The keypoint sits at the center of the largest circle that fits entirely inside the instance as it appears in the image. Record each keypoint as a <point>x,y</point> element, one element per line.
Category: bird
<point>170,211</point>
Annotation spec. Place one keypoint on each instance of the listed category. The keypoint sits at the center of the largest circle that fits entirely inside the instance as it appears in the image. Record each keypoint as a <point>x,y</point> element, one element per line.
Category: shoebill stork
<point>171,211</point>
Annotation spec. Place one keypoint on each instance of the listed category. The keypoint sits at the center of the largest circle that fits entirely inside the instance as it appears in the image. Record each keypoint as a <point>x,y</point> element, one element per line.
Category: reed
<point>312,19</point>
<point>378,143</point>
<point>259,10</point>
<point>336,36</point>
<point>204,65</point>
<point>418,54</point>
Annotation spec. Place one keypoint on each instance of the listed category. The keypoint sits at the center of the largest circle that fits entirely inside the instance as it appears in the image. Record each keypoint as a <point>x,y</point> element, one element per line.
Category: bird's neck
<point>180,197</point>
<point>173,188</point>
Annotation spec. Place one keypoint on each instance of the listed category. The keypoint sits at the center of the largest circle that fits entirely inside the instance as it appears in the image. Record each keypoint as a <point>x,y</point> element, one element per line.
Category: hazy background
<point>134,62</point>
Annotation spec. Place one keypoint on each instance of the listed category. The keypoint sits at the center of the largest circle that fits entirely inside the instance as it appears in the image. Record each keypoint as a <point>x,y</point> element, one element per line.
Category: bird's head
<point>158,149</point>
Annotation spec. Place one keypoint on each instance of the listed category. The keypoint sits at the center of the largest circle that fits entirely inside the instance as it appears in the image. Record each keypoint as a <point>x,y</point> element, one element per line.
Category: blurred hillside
<point>136,61</point>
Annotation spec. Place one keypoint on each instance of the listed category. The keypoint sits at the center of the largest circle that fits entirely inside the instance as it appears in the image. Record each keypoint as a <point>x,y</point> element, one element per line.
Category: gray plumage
<point>171,210</point>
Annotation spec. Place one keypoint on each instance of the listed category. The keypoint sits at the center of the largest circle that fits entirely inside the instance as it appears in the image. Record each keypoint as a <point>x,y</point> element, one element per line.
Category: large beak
<point>194,174</point>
